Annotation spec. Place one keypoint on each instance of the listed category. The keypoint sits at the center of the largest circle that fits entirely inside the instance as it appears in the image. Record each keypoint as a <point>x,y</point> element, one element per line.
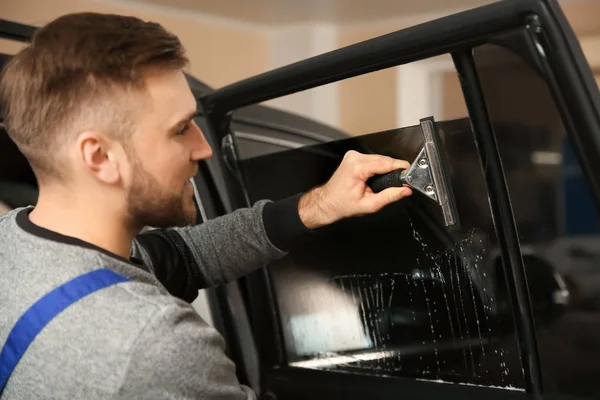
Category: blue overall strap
<point>44,310</point>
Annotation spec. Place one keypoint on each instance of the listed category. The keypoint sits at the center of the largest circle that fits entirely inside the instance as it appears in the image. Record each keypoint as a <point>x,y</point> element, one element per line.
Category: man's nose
<point>201,148</point>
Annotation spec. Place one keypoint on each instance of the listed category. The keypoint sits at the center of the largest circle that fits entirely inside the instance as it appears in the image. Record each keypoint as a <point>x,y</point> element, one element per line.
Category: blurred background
<point>556,216</point>
<point>228,40</point>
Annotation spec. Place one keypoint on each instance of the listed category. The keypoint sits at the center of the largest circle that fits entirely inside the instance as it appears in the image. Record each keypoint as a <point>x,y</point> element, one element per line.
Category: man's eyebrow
<point>186,118</point>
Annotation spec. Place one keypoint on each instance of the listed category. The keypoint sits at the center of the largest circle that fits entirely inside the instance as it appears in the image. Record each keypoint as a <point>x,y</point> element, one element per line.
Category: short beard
<point>148,205</point>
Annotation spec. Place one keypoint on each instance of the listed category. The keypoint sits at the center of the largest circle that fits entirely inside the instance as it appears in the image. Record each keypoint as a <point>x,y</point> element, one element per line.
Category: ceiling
<point>279,12</point>
<point>283,12</point>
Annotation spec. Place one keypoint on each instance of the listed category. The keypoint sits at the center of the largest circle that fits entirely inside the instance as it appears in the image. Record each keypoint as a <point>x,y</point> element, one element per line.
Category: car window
<point>253,141</point>
<point>393,294</point>
<point>264,137</point>
<point>367,104</point>
<point>557,219</point>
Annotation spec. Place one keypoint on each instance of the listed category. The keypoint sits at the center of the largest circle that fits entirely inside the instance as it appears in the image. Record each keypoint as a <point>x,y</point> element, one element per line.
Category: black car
<point>394,305</point>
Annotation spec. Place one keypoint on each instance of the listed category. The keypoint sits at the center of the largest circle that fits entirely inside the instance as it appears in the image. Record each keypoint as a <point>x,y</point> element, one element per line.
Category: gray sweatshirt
<point>139,339</point>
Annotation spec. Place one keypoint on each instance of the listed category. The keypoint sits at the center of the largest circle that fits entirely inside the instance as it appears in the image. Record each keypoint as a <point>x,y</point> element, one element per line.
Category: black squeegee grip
<point>378,183</point>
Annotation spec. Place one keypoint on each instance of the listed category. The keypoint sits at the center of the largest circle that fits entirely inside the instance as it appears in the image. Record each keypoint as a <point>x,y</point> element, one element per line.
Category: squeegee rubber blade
<point>441,173</point>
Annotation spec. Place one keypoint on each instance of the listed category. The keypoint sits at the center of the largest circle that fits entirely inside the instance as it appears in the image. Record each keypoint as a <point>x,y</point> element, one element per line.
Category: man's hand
<point>347,194</point>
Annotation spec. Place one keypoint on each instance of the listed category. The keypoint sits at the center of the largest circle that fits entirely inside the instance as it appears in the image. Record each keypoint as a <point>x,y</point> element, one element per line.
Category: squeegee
<point>427,174</point>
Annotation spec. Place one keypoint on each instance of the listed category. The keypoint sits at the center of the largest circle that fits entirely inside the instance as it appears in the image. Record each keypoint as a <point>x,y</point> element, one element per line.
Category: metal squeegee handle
<point>395,178</point>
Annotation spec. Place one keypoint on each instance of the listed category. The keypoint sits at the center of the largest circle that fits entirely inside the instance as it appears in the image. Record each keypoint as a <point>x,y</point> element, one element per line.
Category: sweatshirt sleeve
<point>230,246</point>
<point>178,356</point>
<point>223,249</point>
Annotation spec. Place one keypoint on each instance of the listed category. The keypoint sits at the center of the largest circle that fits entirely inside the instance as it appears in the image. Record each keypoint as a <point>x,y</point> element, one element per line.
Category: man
<point>100,107</point>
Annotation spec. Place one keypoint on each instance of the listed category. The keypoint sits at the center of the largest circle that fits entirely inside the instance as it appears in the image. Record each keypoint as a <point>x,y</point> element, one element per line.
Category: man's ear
<point>100,156</point>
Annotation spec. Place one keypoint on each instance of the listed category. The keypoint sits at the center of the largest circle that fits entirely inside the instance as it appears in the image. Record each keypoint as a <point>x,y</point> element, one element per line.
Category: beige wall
<point>368,103</point>
<point>453,102</point>
<point>9,47</point>
<point>219,53</point>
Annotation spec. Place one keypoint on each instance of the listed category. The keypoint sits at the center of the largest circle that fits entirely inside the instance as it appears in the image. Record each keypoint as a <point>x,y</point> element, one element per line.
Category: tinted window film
<point>251,148</point>
<point>393,293</point>
<point>556,218</point>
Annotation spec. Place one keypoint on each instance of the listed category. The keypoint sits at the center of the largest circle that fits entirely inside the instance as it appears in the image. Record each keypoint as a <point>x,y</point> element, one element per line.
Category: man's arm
<point>223,249</point>
<point>226,248</point>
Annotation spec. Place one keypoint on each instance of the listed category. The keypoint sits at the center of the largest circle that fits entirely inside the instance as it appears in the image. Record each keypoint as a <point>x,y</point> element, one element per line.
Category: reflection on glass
<point>556,218</point>
<point>394,293</point>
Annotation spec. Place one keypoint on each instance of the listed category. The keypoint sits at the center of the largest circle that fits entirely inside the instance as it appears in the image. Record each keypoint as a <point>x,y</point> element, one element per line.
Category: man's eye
<point>183,130</point>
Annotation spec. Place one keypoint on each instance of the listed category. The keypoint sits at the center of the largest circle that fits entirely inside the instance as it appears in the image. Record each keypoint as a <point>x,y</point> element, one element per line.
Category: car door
<point>393,305</point>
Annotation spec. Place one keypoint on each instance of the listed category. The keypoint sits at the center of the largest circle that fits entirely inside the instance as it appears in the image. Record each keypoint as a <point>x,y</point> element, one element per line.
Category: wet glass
<point>394,293</point>
<point>556,217</point>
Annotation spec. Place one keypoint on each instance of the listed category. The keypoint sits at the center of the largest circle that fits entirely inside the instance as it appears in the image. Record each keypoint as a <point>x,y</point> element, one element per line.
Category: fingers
<point>388,196</point>
<point>365,166</point>
<point>347,188</point>
<point>384,165</point>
